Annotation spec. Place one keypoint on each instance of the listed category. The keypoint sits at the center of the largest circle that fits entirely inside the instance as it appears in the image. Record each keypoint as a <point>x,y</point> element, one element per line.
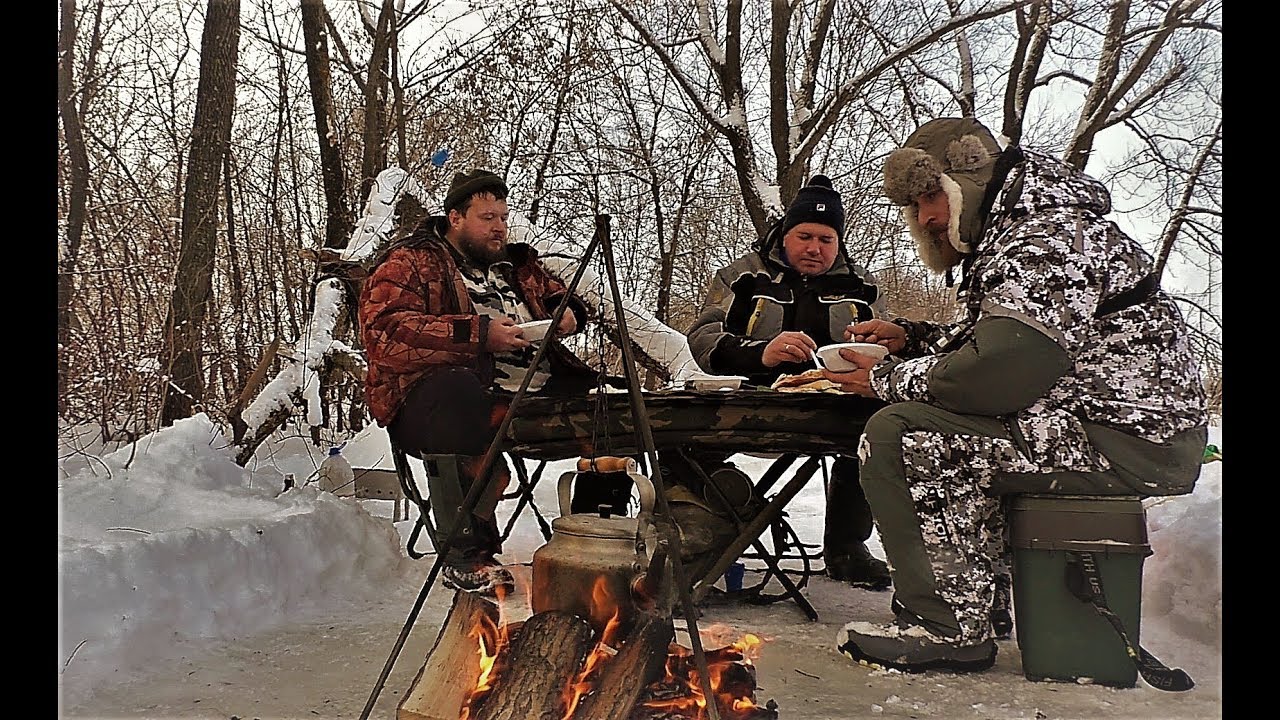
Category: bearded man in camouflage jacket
<point>1068,371</point>
<point>440,320</point>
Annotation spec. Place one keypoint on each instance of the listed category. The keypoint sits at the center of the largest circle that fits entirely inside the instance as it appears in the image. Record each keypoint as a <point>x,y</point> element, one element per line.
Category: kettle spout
<point>648,584</point>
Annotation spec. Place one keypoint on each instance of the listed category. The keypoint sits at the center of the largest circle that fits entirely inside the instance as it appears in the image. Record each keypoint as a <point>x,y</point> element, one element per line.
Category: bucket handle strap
<point>1084,581</point>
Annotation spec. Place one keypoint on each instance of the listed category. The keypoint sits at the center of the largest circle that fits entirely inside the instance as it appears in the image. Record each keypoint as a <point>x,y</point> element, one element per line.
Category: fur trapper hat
<point>816,202</point>
<point>465,185</point>
<point>955,155</point>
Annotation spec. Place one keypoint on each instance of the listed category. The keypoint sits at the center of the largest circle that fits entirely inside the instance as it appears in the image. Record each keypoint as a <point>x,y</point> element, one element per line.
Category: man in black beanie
<point>440,318</point>
<point>763,316</point>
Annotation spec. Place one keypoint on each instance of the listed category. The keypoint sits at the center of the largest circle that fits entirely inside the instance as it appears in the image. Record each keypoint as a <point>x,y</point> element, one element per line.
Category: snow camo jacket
<point>1050,268</point>
<point>416,316</point>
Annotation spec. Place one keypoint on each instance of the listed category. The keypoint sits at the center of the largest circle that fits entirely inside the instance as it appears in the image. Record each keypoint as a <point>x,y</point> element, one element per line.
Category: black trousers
<point>451,412</point>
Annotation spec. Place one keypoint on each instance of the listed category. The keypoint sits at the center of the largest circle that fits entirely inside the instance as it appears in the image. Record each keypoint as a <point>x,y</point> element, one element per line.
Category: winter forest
<point>217,160</point>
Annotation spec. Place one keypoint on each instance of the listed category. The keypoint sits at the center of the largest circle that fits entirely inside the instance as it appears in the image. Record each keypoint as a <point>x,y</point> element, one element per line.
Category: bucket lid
<point>1093,523</point>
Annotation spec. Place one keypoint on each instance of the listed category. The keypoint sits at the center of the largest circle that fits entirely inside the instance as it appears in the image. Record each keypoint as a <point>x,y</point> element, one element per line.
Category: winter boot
<point>859,568</point>
<point>910,647</point>
<point>848,525</point>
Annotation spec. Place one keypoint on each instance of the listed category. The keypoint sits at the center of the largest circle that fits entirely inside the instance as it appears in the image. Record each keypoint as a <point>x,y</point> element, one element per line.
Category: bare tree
<point>211,136</point>
<point>78,193</point>
<point>798,117</point>
<point>375,96</point>
<point>338,222</point>
<point>691,123</point>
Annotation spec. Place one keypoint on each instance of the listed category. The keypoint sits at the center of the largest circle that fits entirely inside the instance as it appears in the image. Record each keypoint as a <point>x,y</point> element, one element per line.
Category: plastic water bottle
<point>336,475</point>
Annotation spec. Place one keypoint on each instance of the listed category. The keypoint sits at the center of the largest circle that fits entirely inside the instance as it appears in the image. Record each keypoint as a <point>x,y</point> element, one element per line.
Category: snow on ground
<point>169,552</point>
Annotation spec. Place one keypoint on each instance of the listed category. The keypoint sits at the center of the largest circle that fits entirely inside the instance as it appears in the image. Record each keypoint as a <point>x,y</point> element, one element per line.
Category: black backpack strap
<point>1085,583</point>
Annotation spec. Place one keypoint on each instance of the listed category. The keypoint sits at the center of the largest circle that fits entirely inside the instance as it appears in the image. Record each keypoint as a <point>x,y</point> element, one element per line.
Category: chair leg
<point>411,492</point>
<point>526,497</point>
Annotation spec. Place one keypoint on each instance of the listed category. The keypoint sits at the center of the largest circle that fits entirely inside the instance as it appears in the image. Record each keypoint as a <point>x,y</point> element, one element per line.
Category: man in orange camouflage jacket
<point>440,320</point>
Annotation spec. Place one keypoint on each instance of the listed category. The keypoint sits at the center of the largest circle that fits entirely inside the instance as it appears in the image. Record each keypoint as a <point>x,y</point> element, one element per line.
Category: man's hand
<point>789,346</point>
<point>504,335</point>
<point>881,332</point>
<point>568,323</point>
<point>856,381</point>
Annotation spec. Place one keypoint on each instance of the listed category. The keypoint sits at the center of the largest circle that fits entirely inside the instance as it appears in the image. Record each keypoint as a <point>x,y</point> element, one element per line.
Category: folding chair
<point>409,484</point>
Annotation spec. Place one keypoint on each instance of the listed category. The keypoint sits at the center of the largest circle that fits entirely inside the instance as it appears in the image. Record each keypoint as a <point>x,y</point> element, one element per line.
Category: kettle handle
<point>645,486</point>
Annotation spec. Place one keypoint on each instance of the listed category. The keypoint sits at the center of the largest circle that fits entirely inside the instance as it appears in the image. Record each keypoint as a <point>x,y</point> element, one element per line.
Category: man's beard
<point>478,250</point>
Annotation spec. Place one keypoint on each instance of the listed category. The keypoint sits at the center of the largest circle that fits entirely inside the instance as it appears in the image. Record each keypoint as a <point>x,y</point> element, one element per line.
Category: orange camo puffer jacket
<point>416,316</point>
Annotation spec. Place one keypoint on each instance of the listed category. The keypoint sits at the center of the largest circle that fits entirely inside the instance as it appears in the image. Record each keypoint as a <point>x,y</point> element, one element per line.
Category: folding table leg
<point>750,534</point>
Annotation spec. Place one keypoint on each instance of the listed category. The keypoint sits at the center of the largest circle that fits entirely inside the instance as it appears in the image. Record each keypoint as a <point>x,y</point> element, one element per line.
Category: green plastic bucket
<point>1061,637</point>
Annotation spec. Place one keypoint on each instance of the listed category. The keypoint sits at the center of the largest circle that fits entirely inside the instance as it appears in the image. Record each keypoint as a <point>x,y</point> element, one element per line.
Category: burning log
<point>452,670</point>
<point>638,663</point>
<point>543,661</point>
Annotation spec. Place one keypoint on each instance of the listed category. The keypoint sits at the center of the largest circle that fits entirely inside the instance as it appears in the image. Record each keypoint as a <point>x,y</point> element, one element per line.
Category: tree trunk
<point>210,138</point>
<point>375,98</point>
<point>543,660</point>
<point>78,193</point>
<point>338,220</point>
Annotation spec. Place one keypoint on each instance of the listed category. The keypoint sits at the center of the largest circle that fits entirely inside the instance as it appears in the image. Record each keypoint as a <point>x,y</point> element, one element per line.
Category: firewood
<point>452,669</point>
<point>543,660</point>
<point>639,662</point>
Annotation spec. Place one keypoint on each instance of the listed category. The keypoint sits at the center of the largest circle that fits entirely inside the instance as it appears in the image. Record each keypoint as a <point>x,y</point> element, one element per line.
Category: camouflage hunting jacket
<point>416,316</point>
<point>758,296</point>
<point>1048,259</point>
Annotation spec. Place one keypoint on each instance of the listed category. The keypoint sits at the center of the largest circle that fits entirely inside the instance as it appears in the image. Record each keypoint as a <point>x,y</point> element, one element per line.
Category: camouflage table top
<point>763,421</point>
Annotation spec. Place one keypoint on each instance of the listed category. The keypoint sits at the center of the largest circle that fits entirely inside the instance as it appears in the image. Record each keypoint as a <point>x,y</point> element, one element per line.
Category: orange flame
<point>681,671</point>
<point>490,639</point>
<point>493,641</point>
<point>601,603</point>
<point>749,646</point>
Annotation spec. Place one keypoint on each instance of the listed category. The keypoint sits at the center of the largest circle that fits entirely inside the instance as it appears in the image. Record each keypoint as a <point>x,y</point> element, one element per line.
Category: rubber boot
<point>847,527</point>
<point>471,563</point>
<point>449,479</point>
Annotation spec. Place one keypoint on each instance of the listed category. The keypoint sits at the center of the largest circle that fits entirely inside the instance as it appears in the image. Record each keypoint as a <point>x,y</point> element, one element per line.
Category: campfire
<point>557,665</point>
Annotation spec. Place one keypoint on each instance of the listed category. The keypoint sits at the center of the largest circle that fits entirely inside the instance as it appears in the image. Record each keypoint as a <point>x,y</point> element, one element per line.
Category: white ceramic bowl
<point>725,383</point>
<point>830,354</point>
<point>536,330</point>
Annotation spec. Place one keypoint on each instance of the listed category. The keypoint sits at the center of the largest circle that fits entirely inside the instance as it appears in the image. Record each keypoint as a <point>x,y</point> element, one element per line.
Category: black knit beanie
<point>816,202</point>
<point>465,185</point>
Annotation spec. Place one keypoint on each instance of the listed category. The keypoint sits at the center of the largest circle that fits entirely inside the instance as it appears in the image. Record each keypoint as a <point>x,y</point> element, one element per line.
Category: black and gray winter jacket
<point>752,300</point>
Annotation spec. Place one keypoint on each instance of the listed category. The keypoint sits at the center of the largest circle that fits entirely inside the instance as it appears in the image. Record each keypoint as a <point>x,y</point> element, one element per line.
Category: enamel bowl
<point>831,359</point>
<point>536,330</point>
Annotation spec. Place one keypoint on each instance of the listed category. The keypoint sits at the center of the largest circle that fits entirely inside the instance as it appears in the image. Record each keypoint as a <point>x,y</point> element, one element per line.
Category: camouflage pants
<point>929,475</point>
